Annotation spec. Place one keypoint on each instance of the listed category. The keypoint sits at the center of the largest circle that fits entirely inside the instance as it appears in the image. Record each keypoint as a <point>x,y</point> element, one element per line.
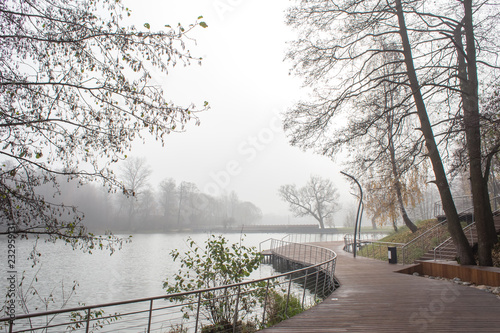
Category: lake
<point>136,271</point>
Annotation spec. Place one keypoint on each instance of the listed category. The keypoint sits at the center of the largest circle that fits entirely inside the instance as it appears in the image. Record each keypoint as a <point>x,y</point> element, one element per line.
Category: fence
<point>244,306</point>
<point>373,249</point>
<point>328,237</point>
<point>434,239</point>
<point>407,253</point>
<point>441,250</point>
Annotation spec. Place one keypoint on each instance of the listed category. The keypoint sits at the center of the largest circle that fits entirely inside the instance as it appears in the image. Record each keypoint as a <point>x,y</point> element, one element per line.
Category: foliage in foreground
<point>217,264</point>
<point>77,90</point>
<point>277,309</point>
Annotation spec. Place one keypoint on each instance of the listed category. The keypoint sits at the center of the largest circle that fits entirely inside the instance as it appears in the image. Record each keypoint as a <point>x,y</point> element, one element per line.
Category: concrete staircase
<point>447,251</point>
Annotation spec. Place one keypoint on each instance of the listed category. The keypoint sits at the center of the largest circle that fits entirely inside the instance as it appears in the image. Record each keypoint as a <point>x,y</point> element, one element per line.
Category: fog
<point>240,145</point>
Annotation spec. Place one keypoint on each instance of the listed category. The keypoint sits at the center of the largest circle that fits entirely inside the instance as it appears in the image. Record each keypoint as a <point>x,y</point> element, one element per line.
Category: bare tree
<point>247,213</point>
<point>75,91</point>
<point>135,174</point>
<point>188,203</point>
<point>318,198</point>
<point>168,199</point>
<point>338,43</point>
<point>390,147</point>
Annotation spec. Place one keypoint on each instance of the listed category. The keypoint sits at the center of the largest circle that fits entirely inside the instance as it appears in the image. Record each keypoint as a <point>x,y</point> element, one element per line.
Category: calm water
<point>136,271</point>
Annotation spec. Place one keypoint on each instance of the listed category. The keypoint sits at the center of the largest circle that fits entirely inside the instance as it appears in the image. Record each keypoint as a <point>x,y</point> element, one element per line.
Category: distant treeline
<point>169,207</point>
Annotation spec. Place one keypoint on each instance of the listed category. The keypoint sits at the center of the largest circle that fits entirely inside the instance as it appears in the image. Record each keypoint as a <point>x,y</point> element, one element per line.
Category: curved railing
<point>431,240</point>
<point>372,249</point>
<point>468,230</point>
<point>406,253</point>
<point>310,280</point>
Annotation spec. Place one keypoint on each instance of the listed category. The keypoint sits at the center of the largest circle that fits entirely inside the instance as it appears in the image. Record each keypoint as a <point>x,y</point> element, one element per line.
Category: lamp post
<point>359,212</point>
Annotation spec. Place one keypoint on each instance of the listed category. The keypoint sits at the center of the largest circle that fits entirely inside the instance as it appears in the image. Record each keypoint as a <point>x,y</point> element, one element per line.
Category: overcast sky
<point>240,144</point>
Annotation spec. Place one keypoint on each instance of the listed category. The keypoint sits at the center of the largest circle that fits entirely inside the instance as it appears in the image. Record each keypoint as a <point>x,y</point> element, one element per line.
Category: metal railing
<point>254,304</point>
<point>326,237</point>
<point>468,230</point>
<point>311,237</point>
<point>462,203</point>
<point>423,243</point>
<point>373,249</point>
<point>434,239</point>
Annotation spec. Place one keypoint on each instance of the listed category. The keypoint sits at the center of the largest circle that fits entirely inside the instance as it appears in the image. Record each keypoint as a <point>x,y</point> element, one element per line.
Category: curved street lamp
<point>358,217</point>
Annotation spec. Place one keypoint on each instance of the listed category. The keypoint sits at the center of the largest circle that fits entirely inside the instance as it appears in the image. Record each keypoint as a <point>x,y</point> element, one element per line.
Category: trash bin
<point>392,254</point>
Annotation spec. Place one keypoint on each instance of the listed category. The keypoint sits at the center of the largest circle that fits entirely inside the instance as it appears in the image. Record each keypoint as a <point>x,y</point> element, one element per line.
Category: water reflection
<point>136,271</point>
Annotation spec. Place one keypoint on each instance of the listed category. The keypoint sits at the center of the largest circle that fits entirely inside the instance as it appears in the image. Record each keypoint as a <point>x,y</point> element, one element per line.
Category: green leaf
<point>147,26</point>
<point>200,17</point>
<point>203,24</point>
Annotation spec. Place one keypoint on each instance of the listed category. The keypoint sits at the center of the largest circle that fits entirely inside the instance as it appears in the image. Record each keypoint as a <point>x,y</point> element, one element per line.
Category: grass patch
<point>277,309</point>
<point>404,235</point>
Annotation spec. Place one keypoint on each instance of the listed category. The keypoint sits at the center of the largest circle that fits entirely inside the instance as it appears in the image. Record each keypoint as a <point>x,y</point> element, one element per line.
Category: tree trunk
<point>180,206</point>
<point>321,223</point>
<point>395,225</point>
<point>406,219</point>
<point>397,183</point>
<point>464,250</point>
<point>467,73</point>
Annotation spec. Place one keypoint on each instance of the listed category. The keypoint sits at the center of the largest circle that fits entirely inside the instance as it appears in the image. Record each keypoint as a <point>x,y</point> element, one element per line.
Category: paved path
<point>374,298</point>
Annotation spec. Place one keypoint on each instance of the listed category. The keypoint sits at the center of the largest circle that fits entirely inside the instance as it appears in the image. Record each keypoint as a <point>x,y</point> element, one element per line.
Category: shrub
<point>217,264</point>
<point>277,310</point>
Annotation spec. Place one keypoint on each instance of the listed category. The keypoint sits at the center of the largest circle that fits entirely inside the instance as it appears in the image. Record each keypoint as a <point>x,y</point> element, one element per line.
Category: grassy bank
<point>402,236</point>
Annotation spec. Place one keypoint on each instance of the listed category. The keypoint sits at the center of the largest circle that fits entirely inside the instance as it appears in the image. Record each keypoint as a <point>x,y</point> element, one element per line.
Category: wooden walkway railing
<point>372,297</point>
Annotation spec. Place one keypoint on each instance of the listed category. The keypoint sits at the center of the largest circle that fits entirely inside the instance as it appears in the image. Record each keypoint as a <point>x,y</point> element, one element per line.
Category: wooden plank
<point>373,298</point>
<point>479,275</point>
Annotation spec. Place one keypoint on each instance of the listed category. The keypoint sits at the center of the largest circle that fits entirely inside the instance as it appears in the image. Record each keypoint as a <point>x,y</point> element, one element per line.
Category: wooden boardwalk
<point>374,298</point>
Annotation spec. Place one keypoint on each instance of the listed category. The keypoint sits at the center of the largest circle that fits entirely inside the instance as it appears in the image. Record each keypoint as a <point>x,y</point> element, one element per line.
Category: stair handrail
<point>432,230</point>
<point>420,237</point>
<point>467,227</point>
<point>447,240</point>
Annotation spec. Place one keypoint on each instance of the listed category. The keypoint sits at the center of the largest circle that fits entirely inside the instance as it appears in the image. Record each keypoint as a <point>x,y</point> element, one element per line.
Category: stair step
<point>448,252</point>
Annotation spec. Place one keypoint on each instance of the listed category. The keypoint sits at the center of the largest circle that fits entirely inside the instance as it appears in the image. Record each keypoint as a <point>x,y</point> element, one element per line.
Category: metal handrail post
<point>235,320</point>
<point>197,313</point>
<point>332,279</point>
<point>304,291</point>
<point>324,280</point>
<point>265,304</point>
<point>150,314</point>
<point>88,320</point>
<point>288,295</point>
<point>316,286</point>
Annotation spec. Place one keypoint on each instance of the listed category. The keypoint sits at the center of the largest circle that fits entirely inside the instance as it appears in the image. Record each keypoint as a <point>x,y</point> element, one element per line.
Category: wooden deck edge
<point>489,276</point>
